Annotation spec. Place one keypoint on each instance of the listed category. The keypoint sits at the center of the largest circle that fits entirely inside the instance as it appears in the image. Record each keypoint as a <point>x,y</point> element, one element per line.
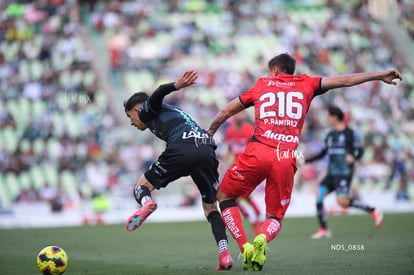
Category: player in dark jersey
<point>190,151</point>
<point>281,101</point>
<point>343,147</point>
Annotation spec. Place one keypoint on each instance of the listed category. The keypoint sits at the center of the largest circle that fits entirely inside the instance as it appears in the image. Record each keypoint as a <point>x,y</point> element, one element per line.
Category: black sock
<point>321,215</point>
<point>227,204</point>
<point>358,204</point>
<point>219,230</point>
<point>142,194</point>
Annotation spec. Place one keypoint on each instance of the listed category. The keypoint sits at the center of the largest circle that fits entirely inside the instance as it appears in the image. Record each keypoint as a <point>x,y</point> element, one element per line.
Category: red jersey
<point>237,139</point>
<point>281,103</point>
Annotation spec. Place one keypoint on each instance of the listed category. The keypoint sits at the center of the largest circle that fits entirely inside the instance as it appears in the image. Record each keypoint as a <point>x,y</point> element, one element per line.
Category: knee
<point>343,201</point>
<point>221,196</point>
<point>209,208</point>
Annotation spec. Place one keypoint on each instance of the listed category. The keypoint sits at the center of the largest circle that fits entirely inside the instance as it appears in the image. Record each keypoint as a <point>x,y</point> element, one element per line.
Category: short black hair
<point>284,62</point>
<point>133,100</point>
<point>335,111</point>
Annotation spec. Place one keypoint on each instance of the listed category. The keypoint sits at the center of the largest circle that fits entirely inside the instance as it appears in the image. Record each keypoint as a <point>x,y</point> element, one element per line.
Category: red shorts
<point>261,162</point>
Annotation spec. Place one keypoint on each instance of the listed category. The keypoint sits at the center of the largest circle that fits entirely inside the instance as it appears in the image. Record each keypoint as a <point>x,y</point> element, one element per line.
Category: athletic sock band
<point>227,203</point>
<point>142,194</point>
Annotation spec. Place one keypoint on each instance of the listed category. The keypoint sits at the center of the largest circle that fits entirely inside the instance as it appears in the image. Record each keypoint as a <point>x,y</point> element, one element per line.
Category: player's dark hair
<point>284,62</point>
<point>335,111</point>
<point>133,100</point>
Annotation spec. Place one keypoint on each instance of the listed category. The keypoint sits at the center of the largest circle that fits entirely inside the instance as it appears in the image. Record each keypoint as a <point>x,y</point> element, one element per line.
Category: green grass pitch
<point>188,248</point>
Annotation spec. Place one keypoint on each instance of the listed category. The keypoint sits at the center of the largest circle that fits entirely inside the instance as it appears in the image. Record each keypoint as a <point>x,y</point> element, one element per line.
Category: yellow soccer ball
<point>52,260</point>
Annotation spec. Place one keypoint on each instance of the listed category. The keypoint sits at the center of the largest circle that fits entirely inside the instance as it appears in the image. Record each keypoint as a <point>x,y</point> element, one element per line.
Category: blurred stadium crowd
<point>406,15</point>
<point>62,141</point>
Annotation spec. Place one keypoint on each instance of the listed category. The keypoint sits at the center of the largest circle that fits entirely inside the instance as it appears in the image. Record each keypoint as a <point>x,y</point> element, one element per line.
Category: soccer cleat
<point>259,255</point>
<point>247,256</point>
<point>378,217</point>
<point>225,261</point>
<point>141,215</point>
<point>322,233</point>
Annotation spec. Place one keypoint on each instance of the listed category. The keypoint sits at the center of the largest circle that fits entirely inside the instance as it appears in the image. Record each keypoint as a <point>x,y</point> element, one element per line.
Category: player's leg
<point>219,231</point>
<point>142,194</point>
<point>205,176</point>
<point>142,191</point>
<point>240,180</point>
<point>278,192</point>
<point>360,205</point>
<point>166,169</point>
<point>270,229</point>
<point>376,213</point>
<point>233,221</point>
<point>323,190</point>
<point>343,199</point>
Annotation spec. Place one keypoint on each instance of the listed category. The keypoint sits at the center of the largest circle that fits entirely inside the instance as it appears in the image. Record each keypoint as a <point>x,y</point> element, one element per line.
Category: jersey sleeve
<point>247,98</point>
<point>152,106</point>
<point>317,86</point>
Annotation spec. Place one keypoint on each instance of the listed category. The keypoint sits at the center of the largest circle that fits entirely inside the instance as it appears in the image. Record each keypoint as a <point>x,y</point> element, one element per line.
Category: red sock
<point>271,229</point>
<point>232,219</point>
<point>254,205</point>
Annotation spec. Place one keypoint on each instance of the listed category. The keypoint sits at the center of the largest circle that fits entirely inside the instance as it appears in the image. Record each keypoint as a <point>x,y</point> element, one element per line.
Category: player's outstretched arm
<point>187,79</point>
<point>234,107</point>
<point>333,82</point>
<point>155,100</point>
<point>320,155</point>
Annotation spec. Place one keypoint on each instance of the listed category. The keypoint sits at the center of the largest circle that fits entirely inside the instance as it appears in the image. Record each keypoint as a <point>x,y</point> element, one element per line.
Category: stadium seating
<point>406,15</point>
<point>49,94</point>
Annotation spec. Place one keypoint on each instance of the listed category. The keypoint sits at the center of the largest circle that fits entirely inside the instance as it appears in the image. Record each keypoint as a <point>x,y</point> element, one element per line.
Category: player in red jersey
<point>237,136</point>
<point>281,101</point>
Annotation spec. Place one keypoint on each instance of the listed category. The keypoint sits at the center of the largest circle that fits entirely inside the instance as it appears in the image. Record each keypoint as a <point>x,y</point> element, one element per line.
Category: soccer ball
<point>52,260</point>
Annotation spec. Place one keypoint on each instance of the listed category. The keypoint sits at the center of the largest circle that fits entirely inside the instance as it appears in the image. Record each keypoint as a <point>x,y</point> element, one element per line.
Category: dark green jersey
<point>169,123</point>
<point>337,145</point>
